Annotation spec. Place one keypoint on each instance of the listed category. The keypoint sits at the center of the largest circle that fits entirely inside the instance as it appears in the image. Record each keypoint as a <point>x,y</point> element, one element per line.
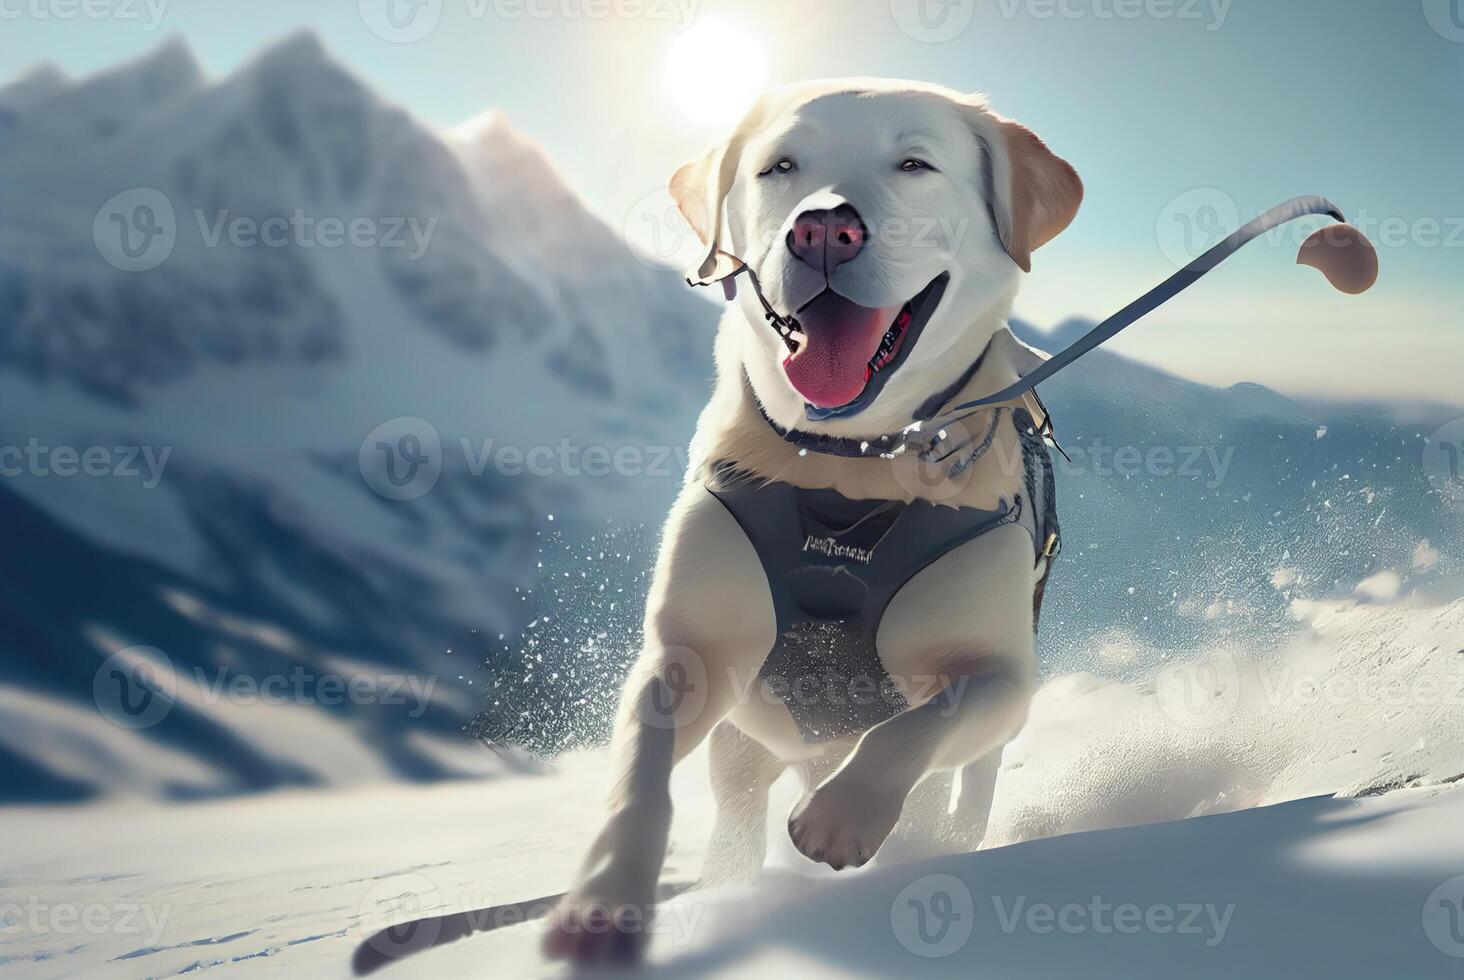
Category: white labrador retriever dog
<point>892,221</point>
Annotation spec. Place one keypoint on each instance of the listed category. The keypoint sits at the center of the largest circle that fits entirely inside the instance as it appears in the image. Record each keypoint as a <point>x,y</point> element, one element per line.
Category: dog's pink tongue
<point>829,369</point>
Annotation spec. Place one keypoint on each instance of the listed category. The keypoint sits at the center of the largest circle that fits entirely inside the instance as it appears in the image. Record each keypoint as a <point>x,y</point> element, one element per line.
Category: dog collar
<point>912,437</point>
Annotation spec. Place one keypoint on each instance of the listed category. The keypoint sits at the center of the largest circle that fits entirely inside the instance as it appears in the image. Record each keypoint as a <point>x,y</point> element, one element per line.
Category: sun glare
<point>714,71</point>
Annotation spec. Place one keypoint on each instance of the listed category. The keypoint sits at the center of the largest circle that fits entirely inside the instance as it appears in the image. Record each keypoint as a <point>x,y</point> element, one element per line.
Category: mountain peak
<point>489,141</point>
<point>171,63</point>
<point>298,48</point>
<point>489,124</point>
<point>40,82</point>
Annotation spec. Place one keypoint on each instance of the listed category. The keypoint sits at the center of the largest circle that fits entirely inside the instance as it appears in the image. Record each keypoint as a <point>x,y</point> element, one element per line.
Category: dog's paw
<point>590,928</point>
<point>843,822</point>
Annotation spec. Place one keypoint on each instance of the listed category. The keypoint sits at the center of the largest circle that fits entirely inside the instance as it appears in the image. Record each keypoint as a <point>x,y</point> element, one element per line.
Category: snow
<point>290,884</point>
<point>1091,867</point>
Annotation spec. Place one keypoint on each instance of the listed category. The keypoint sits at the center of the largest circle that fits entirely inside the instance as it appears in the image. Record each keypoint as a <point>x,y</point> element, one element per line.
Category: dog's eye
<point>911,164</point>
<point>785,165</point>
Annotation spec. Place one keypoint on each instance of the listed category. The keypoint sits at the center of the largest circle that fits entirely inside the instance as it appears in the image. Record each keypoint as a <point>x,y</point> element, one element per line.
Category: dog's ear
<point>699,188</point>
<point>1035,193</point>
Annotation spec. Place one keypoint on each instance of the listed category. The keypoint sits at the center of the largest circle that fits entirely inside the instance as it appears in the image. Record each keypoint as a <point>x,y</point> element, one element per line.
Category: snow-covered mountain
<point>269,386</point>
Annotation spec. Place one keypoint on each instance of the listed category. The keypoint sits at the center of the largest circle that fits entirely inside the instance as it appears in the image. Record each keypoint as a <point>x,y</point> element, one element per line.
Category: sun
<point>714,71</point>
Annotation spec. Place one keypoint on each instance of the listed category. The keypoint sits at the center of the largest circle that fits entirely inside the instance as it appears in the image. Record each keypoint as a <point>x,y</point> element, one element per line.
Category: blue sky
<point>1174,111</point>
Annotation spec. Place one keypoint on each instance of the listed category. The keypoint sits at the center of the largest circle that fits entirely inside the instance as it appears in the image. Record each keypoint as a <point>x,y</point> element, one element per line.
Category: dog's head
<point>891,220</point>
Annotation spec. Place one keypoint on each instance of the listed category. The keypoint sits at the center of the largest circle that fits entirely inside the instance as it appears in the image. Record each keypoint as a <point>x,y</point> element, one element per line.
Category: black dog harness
<point>833,564</point>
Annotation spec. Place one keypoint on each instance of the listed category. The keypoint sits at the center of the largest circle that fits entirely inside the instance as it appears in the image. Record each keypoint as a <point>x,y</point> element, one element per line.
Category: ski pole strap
<point>1299,207</point>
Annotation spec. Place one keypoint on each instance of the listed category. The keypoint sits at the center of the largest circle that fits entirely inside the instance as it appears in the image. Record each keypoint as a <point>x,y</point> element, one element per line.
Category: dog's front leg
<point>982,705</point>
<point>958,637</point>
<point>709,624</point>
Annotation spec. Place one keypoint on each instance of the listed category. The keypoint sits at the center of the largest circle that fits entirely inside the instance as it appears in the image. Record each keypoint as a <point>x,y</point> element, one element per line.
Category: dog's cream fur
<point>958,638</point>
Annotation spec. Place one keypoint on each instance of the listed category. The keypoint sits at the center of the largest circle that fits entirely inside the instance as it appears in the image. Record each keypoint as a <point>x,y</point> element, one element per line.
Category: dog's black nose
<point>827,239</point>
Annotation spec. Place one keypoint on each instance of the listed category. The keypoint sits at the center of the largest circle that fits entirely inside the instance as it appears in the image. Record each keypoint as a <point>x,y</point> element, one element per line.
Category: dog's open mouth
<point>846,352</point>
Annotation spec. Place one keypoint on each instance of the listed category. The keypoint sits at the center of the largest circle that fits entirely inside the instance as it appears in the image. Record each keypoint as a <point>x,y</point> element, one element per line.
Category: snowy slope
<point>1298,884</point>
